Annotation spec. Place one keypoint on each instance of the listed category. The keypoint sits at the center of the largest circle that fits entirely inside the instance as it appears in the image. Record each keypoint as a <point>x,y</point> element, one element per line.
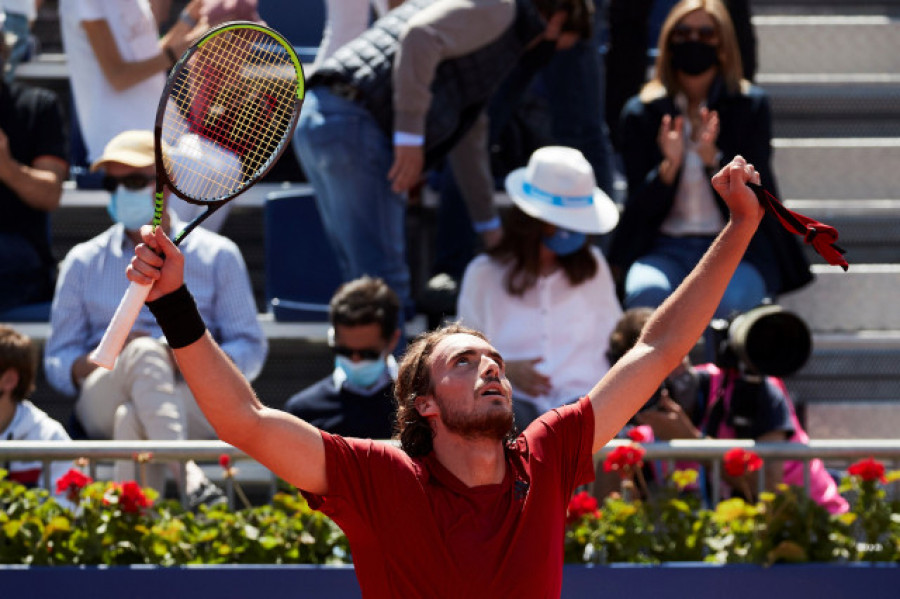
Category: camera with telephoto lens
<point>766,341</point>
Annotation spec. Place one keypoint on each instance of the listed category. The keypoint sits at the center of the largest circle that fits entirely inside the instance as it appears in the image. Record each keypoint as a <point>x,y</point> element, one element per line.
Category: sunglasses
<point>349,352</point>
<point>682,33</point>
<point>133,182</point>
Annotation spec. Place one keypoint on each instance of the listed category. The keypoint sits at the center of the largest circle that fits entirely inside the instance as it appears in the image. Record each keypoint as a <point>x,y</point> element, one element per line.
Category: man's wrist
<point>177,315</point>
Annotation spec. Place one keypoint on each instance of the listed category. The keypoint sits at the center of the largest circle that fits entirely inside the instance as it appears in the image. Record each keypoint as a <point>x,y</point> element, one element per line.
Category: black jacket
<point>745,129</point>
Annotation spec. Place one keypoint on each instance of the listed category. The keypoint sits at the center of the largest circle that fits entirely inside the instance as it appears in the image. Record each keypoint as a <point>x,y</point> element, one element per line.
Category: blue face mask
<point>131,207</point>
<point>564,242</point>
<point>364,373</point>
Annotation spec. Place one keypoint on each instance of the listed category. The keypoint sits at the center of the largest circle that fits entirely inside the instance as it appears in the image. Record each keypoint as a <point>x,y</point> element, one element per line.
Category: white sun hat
<point>558,187</point>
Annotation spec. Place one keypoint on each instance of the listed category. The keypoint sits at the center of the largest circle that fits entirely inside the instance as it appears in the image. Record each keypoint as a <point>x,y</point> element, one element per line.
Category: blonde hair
<point>665,81</point>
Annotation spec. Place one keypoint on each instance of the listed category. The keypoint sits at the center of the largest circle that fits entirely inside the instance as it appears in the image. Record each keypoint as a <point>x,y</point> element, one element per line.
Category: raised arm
<point>291,448</point>
<point>676,325</point>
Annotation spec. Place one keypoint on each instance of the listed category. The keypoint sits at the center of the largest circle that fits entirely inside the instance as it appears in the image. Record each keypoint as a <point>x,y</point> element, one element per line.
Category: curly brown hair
<point>414,379</point>
<point>18,352</point>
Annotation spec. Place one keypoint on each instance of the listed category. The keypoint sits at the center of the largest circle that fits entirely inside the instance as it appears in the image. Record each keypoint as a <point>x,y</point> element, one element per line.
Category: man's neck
<point>475,462</point>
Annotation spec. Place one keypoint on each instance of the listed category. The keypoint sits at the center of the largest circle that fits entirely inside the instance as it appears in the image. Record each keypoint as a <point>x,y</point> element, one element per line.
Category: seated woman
<point>544,296</point>
<point>695,110</point>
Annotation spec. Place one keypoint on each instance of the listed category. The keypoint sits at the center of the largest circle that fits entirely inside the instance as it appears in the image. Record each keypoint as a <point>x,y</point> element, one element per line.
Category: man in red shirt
<point>457,511</point>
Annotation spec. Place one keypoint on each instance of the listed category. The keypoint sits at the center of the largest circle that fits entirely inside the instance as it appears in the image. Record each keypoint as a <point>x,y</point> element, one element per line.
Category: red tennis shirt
<point>415,530</point>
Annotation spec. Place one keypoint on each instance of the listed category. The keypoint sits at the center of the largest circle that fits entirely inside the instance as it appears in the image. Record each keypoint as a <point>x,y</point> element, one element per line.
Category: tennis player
<point>461,509</point>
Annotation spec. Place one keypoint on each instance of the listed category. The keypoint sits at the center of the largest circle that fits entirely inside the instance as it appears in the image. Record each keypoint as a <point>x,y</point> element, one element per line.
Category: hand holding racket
<point>226,115</point>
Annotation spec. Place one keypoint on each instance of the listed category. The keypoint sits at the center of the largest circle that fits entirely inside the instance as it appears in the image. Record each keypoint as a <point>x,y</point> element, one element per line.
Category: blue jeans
<point>654,276</point>
<point>346,158</point>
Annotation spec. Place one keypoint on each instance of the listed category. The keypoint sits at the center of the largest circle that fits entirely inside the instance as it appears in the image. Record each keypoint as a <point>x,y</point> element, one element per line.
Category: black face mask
<point>693,57</point>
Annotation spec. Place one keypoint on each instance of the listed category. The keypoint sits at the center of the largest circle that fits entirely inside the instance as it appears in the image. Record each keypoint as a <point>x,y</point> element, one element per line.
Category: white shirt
<point>30,423</point>
<point>92,281</point>
<point>694,211</point>
<point>102,111</point>
<point>568,327</point>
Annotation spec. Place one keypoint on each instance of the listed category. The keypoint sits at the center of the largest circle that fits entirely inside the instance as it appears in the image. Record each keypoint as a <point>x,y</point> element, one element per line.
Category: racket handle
<point>120,326</point>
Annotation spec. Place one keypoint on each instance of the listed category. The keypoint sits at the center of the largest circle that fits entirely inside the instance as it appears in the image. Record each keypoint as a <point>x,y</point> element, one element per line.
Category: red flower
<point>641,434</point>
<point>624,459</point>
<point>131,497</point>
<point>71,483</point>
<point>867,469</point>
<point>739,462</point>
<point>581,504</point>
<point>224,461</point>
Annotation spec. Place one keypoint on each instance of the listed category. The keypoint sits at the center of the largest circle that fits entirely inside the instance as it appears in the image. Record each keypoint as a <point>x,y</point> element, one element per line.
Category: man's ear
<point>426,406</point>
<point>392,343</point>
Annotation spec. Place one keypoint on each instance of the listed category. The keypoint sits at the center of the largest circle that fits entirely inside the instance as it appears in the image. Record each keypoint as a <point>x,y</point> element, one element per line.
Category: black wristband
<point>178,317</point>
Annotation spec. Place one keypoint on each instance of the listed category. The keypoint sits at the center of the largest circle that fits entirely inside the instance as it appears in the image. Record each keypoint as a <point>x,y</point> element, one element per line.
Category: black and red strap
<point>819,235</point>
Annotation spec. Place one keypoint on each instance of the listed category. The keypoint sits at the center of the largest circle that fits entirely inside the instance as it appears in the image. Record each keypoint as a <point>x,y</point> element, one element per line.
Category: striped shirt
<point>92,281</point>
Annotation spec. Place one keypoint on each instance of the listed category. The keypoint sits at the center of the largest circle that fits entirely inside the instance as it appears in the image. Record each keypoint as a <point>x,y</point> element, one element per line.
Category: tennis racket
<point>226,115</point>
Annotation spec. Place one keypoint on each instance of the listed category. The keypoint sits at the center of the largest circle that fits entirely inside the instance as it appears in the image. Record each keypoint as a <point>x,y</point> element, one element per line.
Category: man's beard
<point>492,424</point>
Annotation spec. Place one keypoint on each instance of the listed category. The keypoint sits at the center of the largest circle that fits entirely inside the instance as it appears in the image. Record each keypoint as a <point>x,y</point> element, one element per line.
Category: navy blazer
<point>745,129</point>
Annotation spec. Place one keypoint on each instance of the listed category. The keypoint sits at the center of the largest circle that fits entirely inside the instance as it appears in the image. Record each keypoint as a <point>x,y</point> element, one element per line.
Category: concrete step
<point>850,367</point>
<point>863,298</point>
<point>837,168</point>
<point>853,420</point>
<point>827,105</point>
<point>869,229</point>
<point>827,43</point>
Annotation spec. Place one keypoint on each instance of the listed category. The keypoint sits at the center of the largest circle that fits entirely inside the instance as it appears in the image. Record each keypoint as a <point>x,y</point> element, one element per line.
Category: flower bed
<point>122,524</point>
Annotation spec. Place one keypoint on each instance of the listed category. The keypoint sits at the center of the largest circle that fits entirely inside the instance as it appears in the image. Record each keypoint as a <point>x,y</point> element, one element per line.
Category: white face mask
<point>131,207</point>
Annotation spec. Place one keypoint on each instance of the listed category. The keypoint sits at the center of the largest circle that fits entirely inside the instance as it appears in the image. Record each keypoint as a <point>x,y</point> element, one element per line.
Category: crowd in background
<point>552,102</point>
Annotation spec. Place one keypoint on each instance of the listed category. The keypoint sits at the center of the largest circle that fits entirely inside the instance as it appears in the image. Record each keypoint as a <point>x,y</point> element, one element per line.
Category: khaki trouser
<point>141,398</point>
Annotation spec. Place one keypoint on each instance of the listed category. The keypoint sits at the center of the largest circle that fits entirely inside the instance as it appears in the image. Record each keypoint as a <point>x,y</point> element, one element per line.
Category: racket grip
<point>120,326</point>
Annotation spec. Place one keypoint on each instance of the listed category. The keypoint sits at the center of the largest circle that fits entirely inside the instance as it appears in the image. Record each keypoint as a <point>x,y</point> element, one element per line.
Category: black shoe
<point>206,494</point>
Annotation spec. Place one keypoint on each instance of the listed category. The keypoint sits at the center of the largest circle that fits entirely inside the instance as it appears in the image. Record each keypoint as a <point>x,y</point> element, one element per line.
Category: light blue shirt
<point>92,281</point>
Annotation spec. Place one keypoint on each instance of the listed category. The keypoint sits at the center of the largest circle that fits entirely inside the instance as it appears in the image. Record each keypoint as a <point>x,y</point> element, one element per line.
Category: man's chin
<point>495,424</point>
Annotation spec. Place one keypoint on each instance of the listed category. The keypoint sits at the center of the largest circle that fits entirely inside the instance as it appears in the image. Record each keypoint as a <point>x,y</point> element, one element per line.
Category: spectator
<point>729,402</point>
<point>631,24</point>
<point>696,109</point>
<point>346,19</point>
<point>18,17</point>
<point>21,420</point>
<point>546,274</point>
<point>356,400</point>
<point>33,167</point>
<point>408,91</point>
<point>118,64</point>
<point>557,100</point>
<point>144,397</point>
<point>459,509</point>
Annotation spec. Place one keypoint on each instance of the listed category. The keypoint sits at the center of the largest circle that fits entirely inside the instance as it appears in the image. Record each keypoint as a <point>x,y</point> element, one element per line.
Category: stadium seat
<point>301,23</point>
<point>301,270</point>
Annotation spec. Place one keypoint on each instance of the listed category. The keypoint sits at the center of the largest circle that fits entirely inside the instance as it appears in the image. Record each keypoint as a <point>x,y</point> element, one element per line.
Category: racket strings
<point>228,113</point>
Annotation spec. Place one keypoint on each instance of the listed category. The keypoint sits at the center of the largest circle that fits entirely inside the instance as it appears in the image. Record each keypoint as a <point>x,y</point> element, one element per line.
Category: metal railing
<point>707,450</point>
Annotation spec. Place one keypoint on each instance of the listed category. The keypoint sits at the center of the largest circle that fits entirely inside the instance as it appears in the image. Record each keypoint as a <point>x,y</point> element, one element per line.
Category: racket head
<point>227,113</point>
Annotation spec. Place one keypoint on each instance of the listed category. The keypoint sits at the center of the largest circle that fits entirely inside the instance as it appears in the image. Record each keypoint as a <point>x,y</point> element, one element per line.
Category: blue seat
<point>302,23</point>
<point>301,271</point>
<point>39,312</point>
